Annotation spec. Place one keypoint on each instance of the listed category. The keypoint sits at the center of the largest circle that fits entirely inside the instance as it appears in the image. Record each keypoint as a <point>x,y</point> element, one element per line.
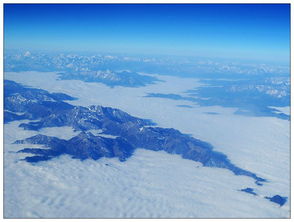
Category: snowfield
<point>149,184</point>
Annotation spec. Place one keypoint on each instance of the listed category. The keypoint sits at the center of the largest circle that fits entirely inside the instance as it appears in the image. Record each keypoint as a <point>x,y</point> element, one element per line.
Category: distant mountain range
<point>253,97</point>
<point>110,78</point>
<point>184,66</point>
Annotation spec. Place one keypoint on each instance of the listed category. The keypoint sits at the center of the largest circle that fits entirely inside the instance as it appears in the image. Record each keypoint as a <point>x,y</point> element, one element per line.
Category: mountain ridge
<point>137,132</point>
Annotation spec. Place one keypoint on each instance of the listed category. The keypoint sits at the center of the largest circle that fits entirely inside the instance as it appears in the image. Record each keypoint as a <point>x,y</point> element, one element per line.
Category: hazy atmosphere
<point>146,111</point>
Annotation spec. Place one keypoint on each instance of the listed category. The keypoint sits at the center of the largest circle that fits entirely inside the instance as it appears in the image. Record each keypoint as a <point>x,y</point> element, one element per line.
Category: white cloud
<point>153,183</point>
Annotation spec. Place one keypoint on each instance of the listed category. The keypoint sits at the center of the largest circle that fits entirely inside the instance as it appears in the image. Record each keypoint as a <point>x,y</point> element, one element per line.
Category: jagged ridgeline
<point>46,109</point>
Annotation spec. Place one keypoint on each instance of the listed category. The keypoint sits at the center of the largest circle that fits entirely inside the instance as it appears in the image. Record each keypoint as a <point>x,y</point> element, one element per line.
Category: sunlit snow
<point>150,184</point>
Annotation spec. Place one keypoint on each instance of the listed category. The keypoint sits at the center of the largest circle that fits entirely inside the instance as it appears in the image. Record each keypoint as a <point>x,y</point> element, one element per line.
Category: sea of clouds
<point>150,184</point>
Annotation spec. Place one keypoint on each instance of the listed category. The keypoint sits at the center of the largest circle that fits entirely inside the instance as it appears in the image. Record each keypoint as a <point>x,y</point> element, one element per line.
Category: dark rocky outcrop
<point>49,110</point>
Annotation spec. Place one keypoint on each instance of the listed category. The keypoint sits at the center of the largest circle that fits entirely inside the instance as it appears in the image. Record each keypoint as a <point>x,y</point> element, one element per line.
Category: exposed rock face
<point>127,133</point>
<point>49,110</point>
<point>278,199</point>
<point>83,146</point>
<point>249,190</point>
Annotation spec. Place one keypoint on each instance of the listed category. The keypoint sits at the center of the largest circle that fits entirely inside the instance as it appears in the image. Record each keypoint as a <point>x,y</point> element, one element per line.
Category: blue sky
<point>260,32</point>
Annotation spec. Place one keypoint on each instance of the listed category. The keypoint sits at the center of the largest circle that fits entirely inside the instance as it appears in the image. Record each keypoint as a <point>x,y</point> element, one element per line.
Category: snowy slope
<point>149,184</point>
<point>258,144</point>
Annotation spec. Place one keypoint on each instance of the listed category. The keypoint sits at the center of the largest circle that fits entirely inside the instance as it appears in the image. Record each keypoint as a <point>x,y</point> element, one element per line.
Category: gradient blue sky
<point>235,31</point>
